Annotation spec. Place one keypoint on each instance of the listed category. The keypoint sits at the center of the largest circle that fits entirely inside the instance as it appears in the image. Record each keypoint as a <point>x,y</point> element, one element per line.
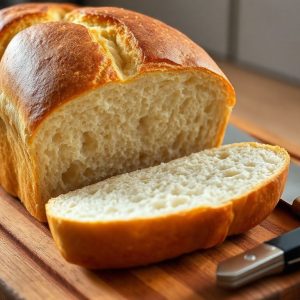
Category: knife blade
<point>275,256</point>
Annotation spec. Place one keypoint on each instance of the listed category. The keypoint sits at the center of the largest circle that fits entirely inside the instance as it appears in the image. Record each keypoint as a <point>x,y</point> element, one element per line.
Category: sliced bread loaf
<point>103,92</point>
<point>174,208</point>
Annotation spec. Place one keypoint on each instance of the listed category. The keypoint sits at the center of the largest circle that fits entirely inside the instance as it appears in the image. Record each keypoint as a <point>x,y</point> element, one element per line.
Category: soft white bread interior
<point>174,208</point>
<point>123,127</point>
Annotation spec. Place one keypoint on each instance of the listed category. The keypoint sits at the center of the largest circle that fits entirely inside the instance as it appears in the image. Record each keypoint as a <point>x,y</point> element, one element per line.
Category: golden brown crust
<point>139,242</point>
<point>7,171</point>
<point>143,241</point>
<point>18,17</point>
<point>17,12</point>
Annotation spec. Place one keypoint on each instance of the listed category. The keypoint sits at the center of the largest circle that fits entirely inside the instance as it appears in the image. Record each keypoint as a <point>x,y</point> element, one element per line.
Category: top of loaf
<point>11,15</point>
<point>50,63</point>
<point>15,18</point>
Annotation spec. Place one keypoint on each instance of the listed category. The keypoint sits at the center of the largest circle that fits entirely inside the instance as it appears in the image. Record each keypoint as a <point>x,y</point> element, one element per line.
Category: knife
<point>275,256</point>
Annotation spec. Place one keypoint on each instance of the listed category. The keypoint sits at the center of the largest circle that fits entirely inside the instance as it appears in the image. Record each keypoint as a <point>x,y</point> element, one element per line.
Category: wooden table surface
<point>32,268</point>
<point>266,107</point>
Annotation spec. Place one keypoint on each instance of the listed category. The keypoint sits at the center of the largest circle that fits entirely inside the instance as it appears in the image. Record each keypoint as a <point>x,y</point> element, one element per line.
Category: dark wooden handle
<point>296,206</point>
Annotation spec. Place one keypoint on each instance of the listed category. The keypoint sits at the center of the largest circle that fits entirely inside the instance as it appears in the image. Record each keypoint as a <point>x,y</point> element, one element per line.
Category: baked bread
<point>101,92</point>
<point>161,212</point>
<point>18,17</point>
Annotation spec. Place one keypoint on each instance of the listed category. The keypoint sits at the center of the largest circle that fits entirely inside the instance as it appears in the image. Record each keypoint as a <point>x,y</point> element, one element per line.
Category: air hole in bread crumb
<point>88,172</point>
<point>112,210</point>
<point>250,164</point>
<point>179,140</point>
<point>72,175</point>
<point>185,106</point>
<point>176,191</point>
<point>165,154</point>
<point>185,183</point>
<point>137,198</point>
<point>191,81</point>
<point>143,158</point>
<point>57,138</point>
<point>89,144</point>
<point>231,173</point>
<point>178,201</point>
<point>143,123</point>
<point>197,119</point>
<point>224,167</point>
<point>209,107</point>
<point>223,155</point>
<point>159,205</point>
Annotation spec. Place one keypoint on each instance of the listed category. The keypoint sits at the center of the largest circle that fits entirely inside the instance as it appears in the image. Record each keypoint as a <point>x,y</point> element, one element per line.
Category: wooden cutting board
<point>32,268</point>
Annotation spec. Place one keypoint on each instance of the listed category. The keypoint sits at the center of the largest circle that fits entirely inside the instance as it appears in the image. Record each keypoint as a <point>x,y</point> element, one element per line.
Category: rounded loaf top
<point>48,64</point>
<point>158,42</point>
<point>15,18</point>
<point>14,13</point>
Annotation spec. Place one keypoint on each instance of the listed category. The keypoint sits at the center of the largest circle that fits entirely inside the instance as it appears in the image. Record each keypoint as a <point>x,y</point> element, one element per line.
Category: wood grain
<point>22,272</point>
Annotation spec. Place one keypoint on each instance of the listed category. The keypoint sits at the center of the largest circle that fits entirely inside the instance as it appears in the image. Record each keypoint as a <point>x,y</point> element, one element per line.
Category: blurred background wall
<point>261,34</point>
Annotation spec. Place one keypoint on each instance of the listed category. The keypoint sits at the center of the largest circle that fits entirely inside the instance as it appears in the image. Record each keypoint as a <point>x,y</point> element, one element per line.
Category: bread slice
<point>161,212</point>
<point>103,92</point>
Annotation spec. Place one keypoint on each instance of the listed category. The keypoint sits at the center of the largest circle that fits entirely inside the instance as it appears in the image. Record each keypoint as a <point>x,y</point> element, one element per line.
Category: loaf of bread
<point>161,212</point>
<point>99,92</point>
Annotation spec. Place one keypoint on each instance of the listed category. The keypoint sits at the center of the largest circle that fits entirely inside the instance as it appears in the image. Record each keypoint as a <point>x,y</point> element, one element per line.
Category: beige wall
<point>269,35</point>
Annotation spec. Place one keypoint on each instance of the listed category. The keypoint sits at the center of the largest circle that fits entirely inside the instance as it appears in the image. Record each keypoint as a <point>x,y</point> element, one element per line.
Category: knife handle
<point>296,206</point>
<point>289,243</point>
<point>272,257</point>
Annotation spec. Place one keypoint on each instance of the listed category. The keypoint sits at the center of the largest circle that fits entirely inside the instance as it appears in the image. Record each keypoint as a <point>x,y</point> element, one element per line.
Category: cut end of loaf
<point>207,179</point>
<point>123,127</point>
